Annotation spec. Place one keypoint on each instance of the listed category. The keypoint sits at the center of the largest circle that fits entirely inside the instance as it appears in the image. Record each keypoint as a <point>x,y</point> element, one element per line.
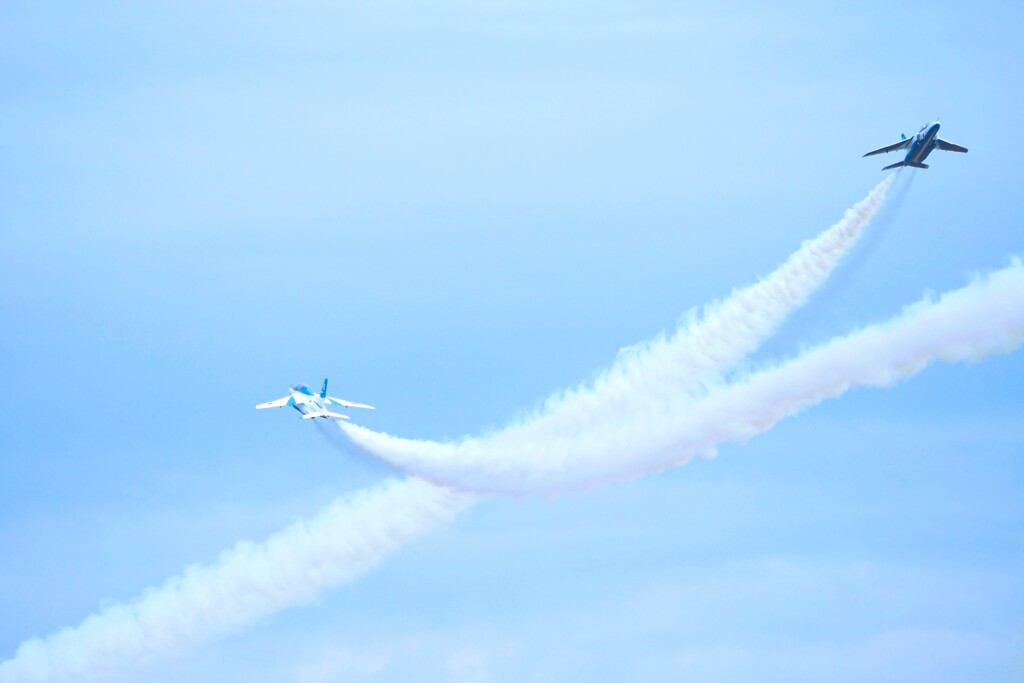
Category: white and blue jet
<point>312,405</point>
<point>919,147</point>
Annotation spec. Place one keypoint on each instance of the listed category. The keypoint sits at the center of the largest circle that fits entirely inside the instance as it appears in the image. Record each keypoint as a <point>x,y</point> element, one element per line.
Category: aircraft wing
<point>348,404</point>
<point>948,146</point>
<point>279,403</point>
<point>902,144</point>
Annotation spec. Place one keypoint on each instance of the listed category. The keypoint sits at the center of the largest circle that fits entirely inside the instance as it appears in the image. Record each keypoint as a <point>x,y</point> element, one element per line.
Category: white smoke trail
<point>726,332</point>
<point>657,372</point>
<point>246,583</point>
<point>983,318</point>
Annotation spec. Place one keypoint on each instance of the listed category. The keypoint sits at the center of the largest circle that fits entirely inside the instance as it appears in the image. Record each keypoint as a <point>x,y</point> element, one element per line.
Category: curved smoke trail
<point>645,378</point>
<point>724,333</point>
<point>246,583</point>
<point>983,318</point>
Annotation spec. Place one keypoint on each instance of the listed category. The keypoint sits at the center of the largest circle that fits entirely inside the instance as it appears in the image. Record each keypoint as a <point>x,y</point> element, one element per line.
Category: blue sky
<point>452,212</point>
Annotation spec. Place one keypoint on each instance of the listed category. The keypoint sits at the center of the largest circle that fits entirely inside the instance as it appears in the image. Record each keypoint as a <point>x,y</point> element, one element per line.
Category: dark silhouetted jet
<point>919,147</point>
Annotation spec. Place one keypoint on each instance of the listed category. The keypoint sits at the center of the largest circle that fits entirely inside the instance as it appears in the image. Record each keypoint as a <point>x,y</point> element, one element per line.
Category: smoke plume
<point>647,431</point>
<point>246,583</point>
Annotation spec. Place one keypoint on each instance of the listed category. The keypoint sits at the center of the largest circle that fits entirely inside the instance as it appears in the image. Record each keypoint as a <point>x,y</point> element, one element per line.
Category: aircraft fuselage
<point>305,401</point>
<point>922,146</point>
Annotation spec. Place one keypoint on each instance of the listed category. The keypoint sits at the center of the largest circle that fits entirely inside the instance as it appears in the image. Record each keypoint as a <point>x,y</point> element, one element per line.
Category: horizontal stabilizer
<point>906,163</point>
<point>326,414</point>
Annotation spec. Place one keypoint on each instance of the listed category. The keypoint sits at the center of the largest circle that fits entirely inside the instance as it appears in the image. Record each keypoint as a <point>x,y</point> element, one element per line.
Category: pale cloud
<point>932,655</point>
<point>459,656</point>
<point>473,663</point>
<point>773,617</point>
<point>344,663</point>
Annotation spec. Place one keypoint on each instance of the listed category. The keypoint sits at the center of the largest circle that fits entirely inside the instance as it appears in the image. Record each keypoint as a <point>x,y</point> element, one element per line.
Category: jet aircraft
<point>919,147</point>
<point>312,405</point>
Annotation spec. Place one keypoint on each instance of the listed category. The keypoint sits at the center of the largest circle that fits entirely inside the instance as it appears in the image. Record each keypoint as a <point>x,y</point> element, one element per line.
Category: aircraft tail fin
<point>323,391</point>
<point>896,165</point>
